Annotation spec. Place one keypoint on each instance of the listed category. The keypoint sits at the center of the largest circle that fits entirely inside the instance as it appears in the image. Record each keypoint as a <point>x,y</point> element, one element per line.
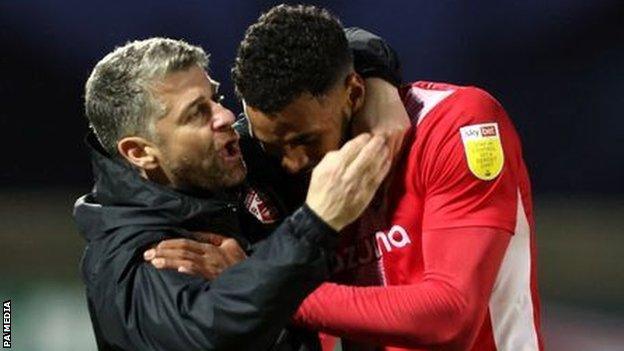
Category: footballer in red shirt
<point>444,258</point>
<point>457,245</point>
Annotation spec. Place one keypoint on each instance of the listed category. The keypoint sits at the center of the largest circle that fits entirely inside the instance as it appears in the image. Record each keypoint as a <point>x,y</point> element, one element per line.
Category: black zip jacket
<point>136,307</point>
<point>133,306</point>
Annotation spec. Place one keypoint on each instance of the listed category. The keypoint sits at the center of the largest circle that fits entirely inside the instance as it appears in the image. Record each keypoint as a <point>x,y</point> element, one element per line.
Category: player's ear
<point>139,152</point>
<point>356,89</point>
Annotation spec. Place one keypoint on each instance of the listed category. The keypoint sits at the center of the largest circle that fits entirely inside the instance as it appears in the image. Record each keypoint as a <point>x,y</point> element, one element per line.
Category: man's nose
<point>222,119</point>
<point>294,163</point>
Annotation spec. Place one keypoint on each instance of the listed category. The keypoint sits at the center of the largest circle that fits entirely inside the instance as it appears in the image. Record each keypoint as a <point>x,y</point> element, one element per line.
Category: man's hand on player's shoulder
<point>383,113</point>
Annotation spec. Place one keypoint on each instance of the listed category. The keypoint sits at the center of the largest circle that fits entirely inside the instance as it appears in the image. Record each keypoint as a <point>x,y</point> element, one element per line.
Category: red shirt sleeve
<point>454,195</point>
<point>445,309</point>
<point>469,214</point>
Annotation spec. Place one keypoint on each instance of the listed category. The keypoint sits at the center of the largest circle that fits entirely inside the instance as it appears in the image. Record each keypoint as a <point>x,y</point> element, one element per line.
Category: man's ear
<point>139,152</point>
<point>356,90</point>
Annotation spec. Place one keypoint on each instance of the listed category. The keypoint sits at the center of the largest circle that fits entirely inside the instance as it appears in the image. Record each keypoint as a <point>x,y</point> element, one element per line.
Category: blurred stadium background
<point>557,66</point>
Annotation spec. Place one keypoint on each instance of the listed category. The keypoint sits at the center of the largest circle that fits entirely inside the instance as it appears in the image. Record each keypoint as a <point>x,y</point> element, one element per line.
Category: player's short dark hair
<point>290,50</point>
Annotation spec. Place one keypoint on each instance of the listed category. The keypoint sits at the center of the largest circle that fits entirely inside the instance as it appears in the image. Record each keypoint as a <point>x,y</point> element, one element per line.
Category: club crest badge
<point>484,151</point>
<point>260,207</point>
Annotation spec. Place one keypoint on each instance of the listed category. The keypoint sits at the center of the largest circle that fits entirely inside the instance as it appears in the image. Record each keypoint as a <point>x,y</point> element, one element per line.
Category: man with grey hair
<point>167,164</point>
<point>126,101</point>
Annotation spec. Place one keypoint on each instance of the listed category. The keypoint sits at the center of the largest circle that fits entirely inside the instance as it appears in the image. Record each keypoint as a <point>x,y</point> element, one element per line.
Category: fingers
<point>173,258</point>
<point>350,150</point>
<point>379,169</point>
<point>208,237</point>
<point>340,191</point>
<point>182,244</point>
<point>208,266</point>
<point>192,268</point>
<point>367,172</point>
<point>195,258</point>
<point>370,159</point>
<point>232,250</point>
<point>181,265</point>
<point>174,254</point>
<point>374,180</point>
<point>383,171</point>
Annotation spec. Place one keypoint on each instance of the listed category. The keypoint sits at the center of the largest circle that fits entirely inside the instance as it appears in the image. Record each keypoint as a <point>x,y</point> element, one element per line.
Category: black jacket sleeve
<point>373,57</point>
<point>245,308</point>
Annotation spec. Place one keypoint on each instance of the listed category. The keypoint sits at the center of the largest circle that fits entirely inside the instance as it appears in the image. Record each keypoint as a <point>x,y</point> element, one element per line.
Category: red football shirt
<point>462,168</point>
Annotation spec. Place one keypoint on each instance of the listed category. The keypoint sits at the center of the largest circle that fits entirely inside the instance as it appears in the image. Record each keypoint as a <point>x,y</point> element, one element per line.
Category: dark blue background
<point>557,66</point>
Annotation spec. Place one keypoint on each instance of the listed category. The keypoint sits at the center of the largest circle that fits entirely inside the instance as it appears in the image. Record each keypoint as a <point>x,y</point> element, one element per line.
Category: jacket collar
<point>121,197</point>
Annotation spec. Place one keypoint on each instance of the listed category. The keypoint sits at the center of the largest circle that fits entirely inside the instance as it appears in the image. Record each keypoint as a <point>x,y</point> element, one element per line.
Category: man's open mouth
<point>231,150</point>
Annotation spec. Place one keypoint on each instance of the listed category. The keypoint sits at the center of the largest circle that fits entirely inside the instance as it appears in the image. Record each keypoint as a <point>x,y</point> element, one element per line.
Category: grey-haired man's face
<point>197,147</point>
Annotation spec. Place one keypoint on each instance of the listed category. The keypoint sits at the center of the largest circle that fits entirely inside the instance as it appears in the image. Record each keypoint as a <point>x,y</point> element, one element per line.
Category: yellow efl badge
<point>484,151</point>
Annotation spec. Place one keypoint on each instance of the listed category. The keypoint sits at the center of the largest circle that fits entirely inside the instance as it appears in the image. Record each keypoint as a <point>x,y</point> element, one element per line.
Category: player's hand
<point>381,101</point>
<point>345,181</point>
<point>207,258</point>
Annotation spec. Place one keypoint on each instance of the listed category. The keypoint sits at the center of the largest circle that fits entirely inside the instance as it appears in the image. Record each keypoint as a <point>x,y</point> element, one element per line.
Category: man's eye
<point>201,111</point>
<point>218,98</point>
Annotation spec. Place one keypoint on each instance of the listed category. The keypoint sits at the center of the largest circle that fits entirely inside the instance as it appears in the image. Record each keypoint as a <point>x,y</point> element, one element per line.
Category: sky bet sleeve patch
<point>484,152</point>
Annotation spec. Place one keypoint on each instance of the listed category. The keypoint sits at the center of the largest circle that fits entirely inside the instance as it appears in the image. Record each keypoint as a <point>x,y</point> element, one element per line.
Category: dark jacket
<point>133,306</point>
